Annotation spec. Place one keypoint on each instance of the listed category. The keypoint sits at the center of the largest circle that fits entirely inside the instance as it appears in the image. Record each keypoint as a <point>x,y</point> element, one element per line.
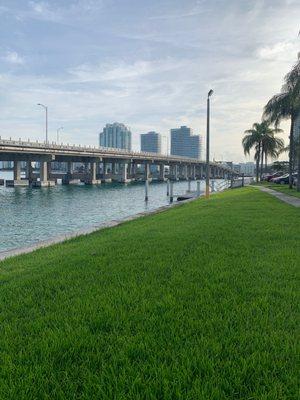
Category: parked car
<point>281,179</point>
<point>284,179</point>
<point>275,175</point>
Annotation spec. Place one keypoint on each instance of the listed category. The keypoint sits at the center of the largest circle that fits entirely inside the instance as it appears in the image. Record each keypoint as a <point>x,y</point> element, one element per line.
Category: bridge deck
<point>60,152</point>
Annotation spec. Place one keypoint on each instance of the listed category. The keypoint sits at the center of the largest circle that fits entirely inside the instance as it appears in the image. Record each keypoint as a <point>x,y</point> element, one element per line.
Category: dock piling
<point>146,189</point>
<point>198,188</point>
<point>171,192</point>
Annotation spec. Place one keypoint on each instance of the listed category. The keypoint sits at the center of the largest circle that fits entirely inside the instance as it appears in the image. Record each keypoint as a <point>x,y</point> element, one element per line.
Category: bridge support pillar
<point>44,175</point>
<point>189,172</point>
<point>162,177</point>
<point>68,176</point>
<point>114,175</point>
<point>105,177</point>
<point>193,172</point>
<point>185,172</point>
<point>176,172</point>
<point>133,171</point>
<point>123,176</point>
<point>201,171</point>
<point>17,170</point>
<point>17,181</point>
<point>29,172</point>
<point>92,176</point>
<point>147,171</point>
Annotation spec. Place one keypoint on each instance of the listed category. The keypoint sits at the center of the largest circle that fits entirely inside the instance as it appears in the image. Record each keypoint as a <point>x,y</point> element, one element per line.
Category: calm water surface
<point>29,215</point>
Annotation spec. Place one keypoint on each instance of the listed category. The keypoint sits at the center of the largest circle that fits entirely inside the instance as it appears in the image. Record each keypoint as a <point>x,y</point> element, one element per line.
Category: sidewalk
<point>293,201</point>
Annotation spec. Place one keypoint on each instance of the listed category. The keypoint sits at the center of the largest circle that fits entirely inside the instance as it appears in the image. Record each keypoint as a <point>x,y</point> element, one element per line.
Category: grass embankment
<point>199,302</point>
<point>281,188</point>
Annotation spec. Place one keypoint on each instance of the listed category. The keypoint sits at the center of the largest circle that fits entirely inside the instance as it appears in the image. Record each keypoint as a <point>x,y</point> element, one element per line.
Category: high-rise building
<point>184,143</point>
<point>151,142</point>
<point>247,168</point>
<point>116,136</point>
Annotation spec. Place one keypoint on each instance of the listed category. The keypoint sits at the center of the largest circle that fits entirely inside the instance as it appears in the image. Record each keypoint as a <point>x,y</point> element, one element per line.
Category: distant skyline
<point>147,64</point>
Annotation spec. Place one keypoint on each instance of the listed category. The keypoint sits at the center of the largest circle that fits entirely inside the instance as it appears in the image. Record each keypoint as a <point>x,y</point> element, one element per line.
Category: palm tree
<point>262,139</point>
<point>286,105</point>
<point>252,139</point>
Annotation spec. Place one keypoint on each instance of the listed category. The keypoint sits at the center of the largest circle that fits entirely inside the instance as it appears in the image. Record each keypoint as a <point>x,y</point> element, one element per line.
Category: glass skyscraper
<point>185,144</point>
<point>151,142</point>
<point>116,136</point>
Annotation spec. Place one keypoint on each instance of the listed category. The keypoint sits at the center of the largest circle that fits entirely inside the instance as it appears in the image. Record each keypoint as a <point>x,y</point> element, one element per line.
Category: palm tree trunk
<point>266,162</point>
<point>298,176</point>
<point>298,156</point>
<point>257,163</point>
<point>257,169</point>
<point>291,154</point>
<point>262,162</point>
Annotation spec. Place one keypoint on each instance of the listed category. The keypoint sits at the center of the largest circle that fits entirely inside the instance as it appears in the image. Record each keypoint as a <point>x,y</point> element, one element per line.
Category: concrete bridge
<point>100,164</point>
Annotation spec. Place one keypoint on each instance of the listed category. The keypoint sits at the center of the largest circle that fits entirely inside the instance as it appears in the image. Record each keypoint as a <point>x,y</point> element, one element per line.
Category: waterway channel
<point>30,215</point>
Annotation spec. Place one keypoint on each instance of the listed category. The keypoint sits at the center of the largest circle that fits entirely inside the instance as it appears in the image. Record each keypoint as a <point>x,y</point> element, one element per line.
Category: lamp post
<point>57,133</point>
<point>207,144</point>
<point>46,110</point>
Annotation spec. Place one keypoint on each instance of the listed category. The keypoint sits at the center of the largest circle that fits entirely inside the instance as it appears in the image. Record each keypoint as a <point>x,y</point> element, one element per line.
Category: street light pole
<point>46,110</point>
<point>57,133</point>
<point>207,144</point>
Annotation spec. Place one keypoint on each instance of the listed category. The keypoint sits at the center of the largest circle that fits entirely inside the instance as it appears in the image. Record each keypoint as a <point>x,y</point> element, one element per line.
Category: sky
<point>146,63</point>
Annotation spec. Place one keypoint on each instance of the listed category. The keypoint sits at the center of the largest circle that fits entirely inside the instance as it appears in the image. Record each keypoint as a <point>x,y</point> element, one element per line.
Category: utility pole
<point>207,144</point>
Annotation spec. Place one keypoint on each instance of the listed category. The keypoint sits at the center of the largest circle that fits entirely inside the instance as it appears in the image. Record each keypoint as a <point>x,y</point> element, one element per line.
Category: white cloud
<point>13,57</point>
<point>277,51</point>
<point>66,13</point>
<point>42,10</point>
<point>122,71</point>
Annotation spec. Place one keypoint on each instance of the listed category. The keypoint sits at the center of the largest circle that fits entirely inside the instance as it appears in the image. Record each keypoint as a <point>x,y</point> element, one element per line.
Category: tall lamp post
<point>207,144</point>
<point>57,133</point>
<point>46,110</point>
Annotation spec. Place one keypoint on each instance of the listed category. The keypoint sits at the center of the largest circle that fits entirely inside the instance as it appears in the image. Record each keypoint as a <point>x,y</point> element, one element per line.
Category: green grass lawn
<point>198,302</point>
<point>281,188</point>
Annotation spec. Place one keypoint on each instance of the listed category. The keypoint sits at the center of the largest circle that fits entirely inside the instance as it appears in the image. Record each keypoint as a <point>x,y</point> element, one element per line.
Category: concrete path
<point>292,200</point>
